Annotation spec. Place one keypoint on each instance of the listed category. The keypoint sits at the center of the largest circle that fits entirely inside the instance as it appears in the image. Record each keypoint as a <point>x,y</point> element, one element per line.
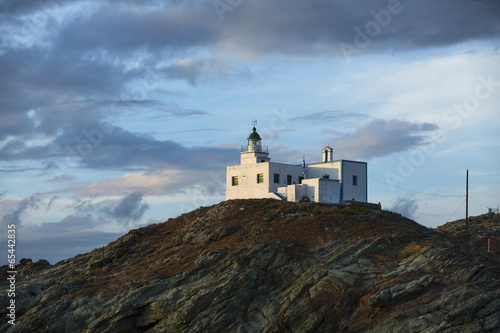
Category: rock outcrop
<point>266,266</point>
<point>484,231</point>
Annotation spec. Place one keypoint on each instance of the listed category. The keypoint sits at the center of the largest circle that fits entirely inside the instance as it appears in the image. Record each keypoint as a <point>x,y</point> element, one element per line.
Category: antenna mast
<point>467,206</point>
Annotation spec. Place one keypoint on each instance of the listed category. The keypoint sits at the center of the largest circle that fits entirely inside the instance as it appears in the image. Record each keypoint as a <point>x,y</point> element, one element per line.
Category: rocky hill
<point>266,266</point>
<point>481,228</point>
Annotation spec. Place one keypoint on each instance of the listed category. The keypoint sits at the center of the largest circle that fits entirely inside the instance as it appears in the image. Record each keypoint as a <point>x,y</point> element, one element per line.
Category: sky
<point>119,114</point>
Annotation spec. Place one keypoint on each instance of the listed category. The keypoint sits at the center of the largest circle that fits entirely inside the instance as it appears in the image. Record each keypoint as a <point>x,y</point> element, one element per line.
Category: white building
<point>329,181</point>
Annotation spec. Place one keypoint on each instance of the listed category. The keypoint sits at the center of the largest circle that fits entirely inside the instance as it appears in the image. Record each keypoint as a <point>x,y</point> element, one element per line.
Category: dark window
<point>289,180</point>
<point>276,178</point>
<point>262,161</point>
<point>301,179</point>
<point>355,180</point>
<point>235,181</point>
<point>326,177</point>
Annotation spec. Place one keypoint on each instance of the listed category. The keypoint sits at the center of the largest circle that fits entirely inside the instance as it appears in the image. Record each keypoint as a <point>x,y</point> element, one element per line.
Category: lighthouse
<point>329,181</point>
<point>254,151</point>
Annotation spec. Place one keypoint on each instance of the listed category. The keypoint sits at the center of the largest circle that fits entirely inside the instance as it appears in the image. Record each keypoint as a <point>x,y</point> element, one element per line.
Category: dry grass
<point>410,250</point>
<point>169,248</point>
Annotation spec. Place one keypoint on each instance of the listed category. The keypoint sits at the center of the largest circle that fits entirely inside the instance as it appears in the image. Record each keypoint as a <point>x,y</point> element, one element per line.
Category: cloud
<point>122,149</point>
<point>55,241</point>
<point>97,146</point>
<point>206,69</point>
<point>55,248</point>
<point>382,138</point>
<point>406,206</point>
<point>129,208</point>
<point>114,44</point>
<point>111,59</point>
<point>61,178</point>
<point>52,200</point>
<point>319,27</point>
<point>69,224</point>
<point>149,183</point>
<point>24,205</point>
<point>334,117</point>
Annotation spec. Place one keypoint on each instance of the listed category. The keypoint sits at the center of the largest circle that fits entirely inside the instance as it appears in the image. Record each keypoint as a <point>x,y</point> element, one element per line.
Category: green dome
<point>254,136</point>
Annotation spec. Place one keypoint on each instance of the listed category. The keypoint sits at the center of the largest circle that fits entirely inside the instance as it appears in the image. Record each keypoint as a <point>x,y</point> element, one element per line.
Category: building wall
<point>247,187</point>
<point>318,170</point>
<point>295,192</point>
<point>252,157</point>
<point>283,170</point>
<point>329,190</point>
<point>349,190</point>
<point>322,190</point>
<point>317,189</point>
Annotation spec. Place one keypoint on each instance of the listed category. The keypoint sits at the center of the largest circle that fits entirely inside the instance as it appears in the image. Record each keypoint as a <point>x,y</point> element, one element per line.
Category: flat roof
<point>350,161</point>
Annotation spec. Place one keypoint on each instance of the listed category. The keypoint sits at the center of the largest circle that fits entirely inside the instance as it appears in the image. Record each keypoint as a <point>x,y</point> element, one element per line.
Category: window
<point>325,176</point>
<point>301,179</point>
<point>262,161</point>
<point>276,178</point>
<point>355,180</point>
<point>260,178</point>
<point>235,181</point>
<point>289,180</point>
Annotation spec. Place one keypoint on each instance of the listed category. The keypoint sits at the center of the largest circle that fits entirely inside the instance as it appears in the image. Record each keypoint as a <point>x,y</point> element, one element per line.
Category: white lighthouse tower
<point>254,152</point>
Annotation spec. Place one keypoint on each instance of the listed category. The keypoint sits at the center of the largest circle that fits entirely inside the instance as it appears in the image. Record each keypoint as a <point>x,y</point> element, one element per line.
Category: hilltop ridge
<point>481,228</point>
<point>267,266</point>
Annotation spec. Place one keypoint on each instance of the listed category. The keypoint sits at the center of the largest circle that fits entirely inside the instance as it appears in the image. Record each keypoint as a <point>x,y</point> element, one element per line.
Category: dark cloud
<point>204,69</point>
<point>55,241</point>
<point>52,200</point>
<point>55,248</point>
<point>406,206</point>
<point>121,149</point>
<point>382,138</point>
<point>97,62</point>
<point>333,117</point>
<point>37,87</point>
<point>129,209</point>
<point>156,109</point>
<point>70,224</point>
<point>22,6</point>
<point>24,205</point>
<point>84,138</point>
<point>115,43</point>
<point>84,206</point>
<point>74,234</point>
<point>61,178</point>
<point>13,168</point>
<point>171,28</point>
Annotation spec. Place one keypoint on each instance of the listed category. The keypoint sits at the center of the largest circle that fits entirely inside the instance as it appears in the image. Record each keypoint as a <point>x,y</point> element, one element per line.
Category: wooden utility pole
<point>467,206</point>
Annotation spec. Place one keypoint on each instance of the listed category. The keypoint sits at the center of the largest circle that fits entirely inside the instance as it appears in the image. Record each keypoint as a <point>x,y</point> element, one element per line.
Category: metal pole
<point>467,207</point>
